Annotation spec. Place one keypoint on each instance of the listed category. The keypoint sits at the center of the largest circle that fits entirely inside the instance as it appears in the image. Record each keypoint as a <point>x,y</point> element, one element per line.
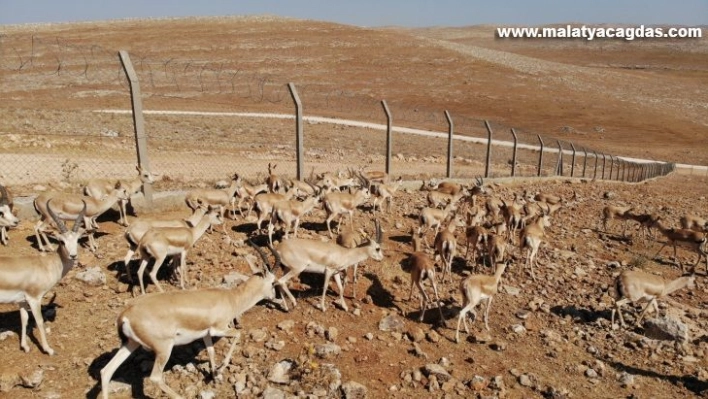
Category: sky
<point>409,13</point>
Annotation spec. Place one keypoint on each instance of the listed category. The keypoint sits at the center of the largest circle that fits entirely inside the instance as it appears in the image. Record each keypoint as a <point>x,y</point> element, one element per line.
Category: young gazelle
<point>475,235</point>
<point>446,245</point>
<point>313,256</point>
<point>135,232</point>
<point>99,188</point>
<point>214,197</point>
<point>496,248</point>
<point>638,286</point>
<point>531,237</point>
<point>689,239</point>
<point>340,204</point>
<point>287,213</point>
<point>7,218</point>
<point>26,279</point>
<point>432,218</point>
<point>161,321</point>
<point>263,203</point>
<point>422,268</point>
<point>272,181</point>
<point>611,212</point>
<point>474,289</point>
<point>383,193</point>
<point>160,242</point>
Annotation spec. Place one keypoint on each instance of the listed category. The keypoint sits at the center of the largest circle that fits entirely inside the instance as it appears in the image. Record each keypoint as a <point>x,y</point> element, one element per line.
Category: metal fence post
<point>489,148</point>
<point>299,146</point>
<point>389,136</point>
<point>559,164</point>
<point>513,156</point>
<point>451,128</point>
<point>612,164</point>
<point>604,161</point>
<point>540,156</point>
<point>138,121</point>
<point>624,169</point>
<point>585,160</point>
<point>595,172</point>
<point>572,161</point>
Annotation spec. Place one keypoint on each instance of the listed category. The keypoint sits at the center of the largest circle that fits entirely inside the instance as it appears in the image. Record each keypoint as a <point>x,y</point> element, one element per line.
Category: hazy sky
<point>414,13</point>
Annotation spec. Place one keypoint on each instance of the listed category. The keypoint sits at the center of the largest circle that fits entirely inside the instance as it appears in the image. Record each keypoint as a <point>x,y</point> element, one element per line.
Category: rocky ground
<point>549,338</point>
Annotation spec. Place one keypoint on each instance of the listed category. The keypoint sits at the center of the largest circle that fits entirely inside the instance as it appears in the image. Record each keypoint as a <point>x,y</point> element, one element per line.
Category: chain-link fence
<point>221,118</point>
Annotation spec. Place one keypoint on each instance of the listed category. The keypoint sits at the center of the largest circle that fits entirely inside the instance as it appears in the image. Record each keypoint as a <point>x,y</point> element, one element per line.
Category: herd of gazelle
<point>490,224</point>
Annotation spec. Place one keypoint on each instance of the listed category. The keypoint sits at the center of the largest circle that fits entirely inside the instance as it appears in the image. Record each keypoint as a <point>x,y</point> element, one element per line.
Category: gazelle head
<point>7,218</point>
<point>145,175</point>
<point>267,271</point>
<point>374,246</point>
<point>69,239</point>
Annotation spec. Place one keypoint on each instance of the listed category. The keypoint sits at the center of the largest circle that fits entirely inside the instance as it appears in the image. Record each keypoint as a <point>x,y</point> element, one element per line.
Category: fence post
<point>299,147</point>
<point>513,156</point>
<point>572,161</point>
<point>559,163</point>
<point>624,169</point>
<point>451,128</point>
<point>389,136</point>
<point>489,148</point>
<point>585,160</point>
<point>540,156</point>
<point>604,161</point>
<point>612,165</point>
<point>138,121</point>
<point>594,176</point>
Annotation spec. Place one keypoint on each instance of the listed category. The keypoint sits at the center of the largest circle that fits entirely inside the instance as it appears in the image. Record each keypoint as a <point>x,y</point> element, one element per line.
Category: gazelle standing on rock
<point>475,289</point>
<point>422,268</point>
<point>160,242</point>
<point>159,322</point>
<point>7,218</point>
<point>26,279</point>
<point>312,256</point>
<point>638,286</point>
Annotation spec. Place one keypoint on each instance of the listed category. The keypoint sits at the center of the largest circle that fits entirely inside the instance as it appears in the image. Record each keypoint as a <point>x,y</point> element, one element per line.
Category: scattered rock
<point>626,380</point>
<point>354,390</point>
<point>93,276</point>
<point>280,372</point>
<point>391,323</point>
<point>666,329</point>
<point>523,314</point>
<point>418,351</point>
<point>275,345</point>
<point>273,393</point>
<point>7,334</point>
<point>369,336</point>
<point>8,381</point>
<point>437,371</point>
<point>32,380</point>
<point>416,334</point>
<point>286,325</point>
<point>332,334</point>
<point>327,350</point>
<point>478,383</point>
<point>258,335</point>
<point>527,380</point>
<point>590,373</point>
<point>433,336</point>
<point>482,338</point>
<point>513,291</point>
<point>207,395</point>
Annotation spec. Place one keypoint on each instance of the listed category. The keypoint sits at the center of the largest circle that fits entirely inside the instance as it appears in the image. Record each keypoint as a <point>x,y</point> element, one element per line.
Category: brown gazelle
<point>161,321</point>
<point>352,239</point>
<point>313,256</point>
<point>99,188</point>
<point>383,193</point>
<point>611,212</point>
<point>531,237</point>
<point>475,289</point>
<point>287,213</point>
<point>160,242</point>
<point>214,197</point>
<point>7,218</point>
<point>638,286</point>
<point>26,279</point>
<point>340,204</point>
<point>272,181</point>
<point>446,245</point>
<point>692,240</point>
<point>693,222</point>
<point>432,218</point>
<point>422,268</point>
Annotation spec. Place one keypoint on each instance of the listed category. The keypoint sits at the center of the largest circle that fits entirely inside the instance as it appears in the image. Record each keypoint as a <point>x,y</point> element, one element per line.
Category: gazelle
<point>446,245</point>
<point>432,218</point>
<point>475,289</point>
<point>352,239</point>
<point>638,286</point>
<point>26,279</point>
<point>67,206</point>
<point>611,212</point>
<point>437,199</point>
<point>246,193</point>
<point>99,188</point>
<point>531,237</point>
<point>213,196</point>
<point>7,218</point>
<point>689,239</point>
<point>340,204</point>
<point>475,236</point>
<point>422,268</point>
<point>299,255</point>
<point>135,232</point>
<point>693,222</point>
<point>263,203</point>
<point>496,248</point>
<point>384,193</point>
<point>160,242</point>
<point>511,211</point>
<point>159,322</point>
<point>288,213</point>
<point>272,181</point>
